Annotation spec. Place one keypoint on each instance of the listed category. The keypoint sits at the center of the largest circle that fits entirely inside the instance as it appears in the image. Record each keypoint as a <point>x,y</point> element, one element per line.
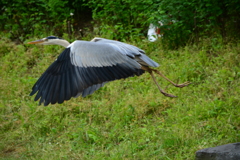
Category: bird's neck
<point>60,42</point>
<point>64,43</point>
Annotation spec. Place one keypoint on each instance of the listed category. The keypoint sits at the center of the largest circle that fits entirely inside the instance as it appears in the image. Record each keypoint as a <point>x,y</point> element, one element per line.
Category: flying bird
<point>85,66</point>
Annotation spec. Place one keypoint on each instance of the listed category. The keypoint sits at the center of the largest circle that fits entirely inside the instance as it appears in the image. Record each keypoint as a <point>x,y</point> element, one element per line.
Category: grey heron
<point>85,66</point>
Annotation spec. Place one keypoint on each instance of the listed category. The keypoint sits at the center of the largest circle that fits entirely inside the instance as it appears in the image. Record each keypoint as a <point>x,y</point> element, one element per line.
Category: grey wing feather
<point>90,90</point>
<point>84,67</point>
<point>81,73</point>
<point>89,54</point>
<point>129,50</point>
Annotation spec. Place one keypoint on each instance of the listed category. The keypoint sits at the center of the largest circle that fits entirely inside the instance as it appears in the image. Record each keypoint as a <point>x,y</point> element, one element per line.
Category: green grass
<point>126,119</point>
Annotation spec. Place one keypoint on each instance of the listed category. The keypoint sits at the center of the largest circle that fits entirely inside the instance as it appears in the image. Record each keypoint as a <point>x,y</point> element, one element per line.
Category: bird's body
<point>85,66</point>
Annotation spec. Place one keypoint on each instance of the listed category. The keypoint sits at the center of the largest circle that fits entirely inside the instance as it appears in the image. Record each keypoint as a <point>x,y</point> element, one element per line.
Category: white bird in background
<point>85,66</point>
<point>154,32</point>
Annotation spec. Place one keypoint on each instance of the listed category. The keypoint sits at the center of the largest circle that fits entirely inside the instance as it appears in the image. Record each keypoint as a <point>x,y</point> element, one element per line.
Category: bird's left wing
<point>81,69</point>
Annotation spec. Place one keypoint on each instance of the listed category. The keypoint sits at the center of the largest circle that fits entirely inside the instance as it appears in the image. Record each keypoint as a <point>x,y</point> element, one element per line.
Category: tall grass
<point>126,119</point>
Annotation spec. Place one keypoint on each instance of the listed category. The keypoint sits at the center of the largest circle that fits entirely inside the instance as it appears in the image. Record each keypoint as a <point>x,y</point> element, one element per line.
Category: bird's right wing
<point>129,50</point>
<point>90,54</point>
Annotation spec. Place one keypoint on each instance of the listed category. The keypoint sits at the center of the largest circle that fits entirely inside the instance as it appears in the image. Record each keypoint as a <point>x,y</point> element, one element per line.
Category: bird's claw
<point>183,84</point>
<point>168,95</point>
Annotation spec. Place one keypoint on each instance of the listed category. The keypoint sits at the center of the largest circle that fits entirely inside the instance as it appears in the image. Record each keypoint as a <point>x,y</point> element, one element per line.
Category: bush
<point>27,18</point>
<point>195,19</point>
<point>184,21</point>
<point>121,19</point>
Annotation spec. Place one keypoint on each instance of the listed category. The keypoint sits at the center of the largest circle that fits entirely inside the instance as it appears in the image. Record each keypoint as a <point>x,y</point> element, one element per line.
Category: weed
<point>126,119</point>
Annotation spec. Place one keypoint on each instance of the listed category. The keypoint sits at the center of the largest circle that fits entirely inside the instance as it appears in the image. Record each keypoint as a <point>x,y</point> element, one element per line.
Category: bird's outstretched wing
<point>84,67</point>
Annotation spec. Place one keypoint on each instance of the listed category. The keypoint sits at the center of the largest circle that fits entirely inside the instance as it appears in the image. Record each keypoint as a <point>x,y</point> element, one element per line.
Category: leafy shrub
<point>25,18</point>
<point>195,19</point>
<point>121,19</point>
<point>184,21</point>
<point>19,18</point>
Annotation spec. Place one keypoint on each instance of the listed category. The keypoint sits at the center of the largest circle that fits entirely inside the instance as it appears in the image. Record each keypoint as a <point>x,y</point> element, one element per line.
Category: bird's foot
<point>168,95</point>
<point>182,85</point>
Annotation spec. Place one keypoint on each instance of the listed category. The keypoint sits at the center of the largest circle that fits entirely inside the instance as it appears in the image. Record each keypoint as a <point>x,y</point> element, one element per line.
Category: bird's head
<point>51,40</point>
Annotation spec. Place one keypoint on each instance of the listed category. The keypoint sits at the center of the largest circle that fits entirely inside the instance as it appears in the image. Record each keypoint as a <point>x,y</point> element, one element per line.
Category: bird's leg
<point>154,79</point>
<point>160,89</point>
<point>175,84</point>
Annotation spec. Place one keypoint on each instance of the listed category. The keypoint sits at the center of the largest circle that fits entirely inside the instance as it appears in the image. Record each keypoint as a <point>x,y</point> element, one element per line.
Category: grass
<point>126,119</point>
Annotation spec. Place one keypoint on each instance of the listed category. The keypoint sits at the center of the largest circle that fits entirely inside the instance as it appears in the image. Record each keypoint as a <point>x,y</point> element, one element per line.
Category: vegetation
<point>126,119</point>
<point>185,21</point>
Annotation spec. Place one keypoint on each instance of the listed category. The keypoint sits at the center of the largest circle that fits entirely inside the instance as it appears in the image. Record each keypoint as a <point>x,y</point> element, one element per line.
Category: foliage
<point>184,21</point>
<point>189,20</point>
<point>26,18</point>
<point>126,119</point>
<point>123,18</point>
<point>20,17</point>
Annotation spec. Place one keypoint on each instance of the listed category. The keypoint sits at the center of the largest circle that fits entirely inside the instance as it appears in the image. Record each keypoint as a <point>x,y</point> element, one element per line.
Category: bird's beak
<point>37,41</point>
